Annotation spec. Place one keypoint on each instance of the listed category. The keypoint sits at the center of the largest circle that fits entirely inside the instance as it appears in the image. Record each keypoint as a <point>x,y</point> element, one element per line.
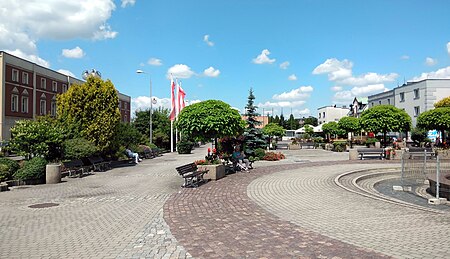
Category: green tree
<point>332,128</point>
<point>42,137</point>
<point>419,135</point>
<point>160,125</point>
<point>282,122</point>
<point>210,119</point>
<point>273,129</point>
<point>91,111</point>
<point>292,123</point>
<point>311,121</point>
<point>349,125</point>
<point>384,119</point>
<point>436,119</point>
<point>253,136</point>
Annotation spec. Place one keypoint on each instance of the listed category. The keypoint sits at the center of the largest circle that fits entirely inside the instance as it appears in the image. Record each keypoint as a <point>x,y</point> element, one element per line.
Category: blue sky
<point>297,55</point>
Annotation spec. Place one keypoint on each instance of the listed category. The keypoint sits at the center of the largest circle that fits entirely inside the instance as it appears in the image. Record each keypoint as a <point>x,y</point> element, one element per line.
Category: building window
<point>373,104</point>
<point>389,101</point>
<point>53,108</point>
<point>15,75</point>
<point>25,78</point>
<point>402,97</point>
<point>24,104</point>
<point>64,88</point>
<point>125,118</point>
<point>125,106</point>
<point>120,104</point>
<point>320,115</point>
<point>43,107</point>
<point>43,83</point>
<point>54,86</point>
<point>379,102</point>
<point>416,93</point>
<point>323,115</point>
<point>416,111</point>
<point>14,103</point>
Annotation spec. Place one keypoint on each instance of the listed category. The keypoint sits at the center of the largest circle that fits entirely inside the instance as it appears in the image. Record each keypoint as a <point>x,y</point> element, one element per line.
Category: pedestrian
<point>133,155</point>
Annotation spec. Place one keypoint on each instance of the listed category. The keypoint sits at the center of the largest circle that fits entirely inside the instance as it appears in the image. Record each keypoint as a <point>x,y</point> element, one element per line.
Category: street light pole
<point>151,106</point>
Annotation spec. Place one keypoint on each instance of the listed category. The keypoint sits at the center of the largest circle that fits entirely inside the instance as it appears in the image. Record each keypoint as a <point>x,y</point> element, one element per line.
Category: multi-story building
<point>263,119</point>
<point>331,113</point>
<point>414,97</point>
<point>357,107</point>
<point>28,90</point>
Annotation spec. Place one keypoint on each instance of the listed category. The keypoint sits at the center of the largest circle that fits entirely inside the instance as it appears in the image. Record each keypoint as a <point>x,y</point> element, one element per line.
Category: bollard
<point>53,173</point>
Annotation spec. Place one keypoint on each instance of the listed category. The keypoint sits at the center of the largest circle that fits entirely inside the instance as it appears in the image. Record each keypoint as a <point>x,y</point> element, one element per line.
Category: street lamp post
<point>151,106</point>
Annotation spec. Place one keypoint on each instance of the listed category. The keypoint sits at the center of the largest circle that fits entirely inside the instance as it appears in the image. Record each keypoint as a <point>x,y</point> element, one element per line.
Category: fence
<point>418,169</point>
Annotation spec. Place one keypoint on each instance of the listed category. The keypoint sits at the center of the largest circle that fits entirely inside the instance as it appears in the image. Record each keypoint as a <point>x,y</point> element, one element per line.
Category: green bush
<point>6,173</point>
<point>78,148</point>
<point>259,153</point>
<point>32,169</point>
<point>339,146</point>
<point>184,147</point>
<point>371,141</point>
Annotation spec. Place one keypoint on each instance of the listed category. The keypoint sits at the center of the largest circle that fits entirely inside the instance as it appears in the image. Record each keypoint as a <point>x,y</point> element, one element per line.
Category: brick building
<point>28,90</point>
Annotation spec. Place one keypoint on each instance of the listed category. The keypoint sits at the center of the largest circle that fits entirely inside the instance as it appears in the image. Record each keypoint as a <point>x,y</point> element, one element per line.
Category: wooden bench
<point>282,145</point>
<point>191,175</point>
<point>75,167</point>
<point>420,152</point>
<point>99,164</point>
<point>364,153</point>
<point>308,145</point>
<point>147,153</point>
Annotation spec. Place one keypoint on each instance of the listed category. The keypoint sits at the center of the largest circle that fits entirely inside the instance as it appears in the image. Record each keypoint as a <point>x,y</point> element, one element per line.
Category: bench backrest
<point>95,159</point>
<point>73,164</point>
<point>420,149</point>
<point>374,150</point>
<point>185,169</point>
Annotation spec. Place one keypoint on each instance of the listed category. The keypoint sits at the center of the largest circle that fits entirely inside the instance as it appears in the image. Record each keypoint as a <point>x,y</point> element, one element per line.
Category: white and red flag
<point>172,97</point>
<point>181,94</point>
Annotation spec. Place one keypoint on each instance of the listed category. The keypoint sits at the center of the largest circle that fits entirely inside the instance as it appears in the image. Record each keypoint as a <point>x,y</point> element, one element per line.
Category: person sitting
<point>133,155</point>
<point>239,157</point>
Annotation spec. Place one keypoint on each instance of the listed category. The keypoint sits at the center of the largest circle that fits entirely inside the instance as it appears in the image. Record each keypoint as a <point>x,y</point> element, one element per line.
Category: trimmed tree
<point>273,129</point>
<point>384,119</point>
<point>253,136</point>
<point>332,128</point>
<point>208,120</point>
<point>91,111</point>
<point>349,125</point>
<point>443,103</point>
<point>436,119</point>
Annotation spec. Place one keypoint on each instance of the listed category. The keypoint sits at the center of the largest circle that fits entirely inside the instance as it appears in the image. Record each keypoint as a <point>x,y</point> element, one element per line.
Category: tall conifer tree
<point>253,136</point>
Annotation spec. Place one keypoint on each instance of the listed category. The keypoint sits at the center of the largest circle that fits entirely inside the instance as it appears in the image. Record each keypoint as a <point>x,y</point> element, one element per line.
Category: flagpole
<point>171,136</point>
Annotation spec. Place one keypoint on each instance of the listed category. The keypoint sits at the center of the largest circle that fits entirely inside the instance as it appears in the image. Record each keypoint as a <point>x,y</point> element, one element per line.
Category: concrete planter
<point>53,173</point>
<point>215,172</point>
<point>293,146</point>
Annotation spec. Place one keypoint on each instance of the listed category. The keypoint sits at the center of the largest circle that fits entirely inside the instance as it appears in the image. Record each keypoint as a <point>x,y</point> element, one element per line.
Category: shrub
<point>339,146</point>
<point>371,141</point>
<point>32,169</point>
<point>259,153</point>
<point>78,148</point>
<point>272,156</point>
<point>184,147</point>
<point>8,168</point>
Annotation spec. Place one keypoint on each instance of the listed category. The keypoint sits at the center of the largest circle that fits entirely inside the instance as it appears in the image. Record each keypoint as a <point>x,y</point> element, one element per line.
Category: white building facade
<point>331,113</point>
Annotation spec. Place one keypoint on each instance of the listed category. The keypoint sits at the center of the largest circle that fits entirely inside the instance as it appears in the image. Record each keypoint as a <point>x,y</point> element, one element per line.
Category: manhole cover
<point>43,205</point>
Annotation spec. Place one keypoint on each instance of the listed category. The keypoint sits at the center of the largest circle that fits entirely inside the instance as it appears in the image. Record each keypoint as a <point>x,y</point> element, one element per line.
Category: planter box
<point>215,172</point>
<point>12,183</point>
<point>293,146</point>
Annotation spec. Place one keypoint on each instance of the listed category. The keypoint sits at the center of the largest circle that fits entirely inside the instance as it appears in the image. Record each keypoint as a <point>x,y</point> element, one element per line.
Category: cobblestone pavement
<point>114,214</point>
<point>286,209</point>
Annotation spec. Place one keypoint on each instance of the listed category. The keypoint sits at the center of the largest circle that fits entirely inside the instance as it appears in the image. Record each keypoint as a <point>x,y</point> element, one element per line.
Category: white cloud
<point>430,61</point>
<point>285,65</point>
<point>24,22</point>
<point>141,103</point>
<point>404,57</point>
<point>283,104</point>
<point>368,90</point>
<point>448,48</point>
<point>66,72</point>
<point>443,73</point>
<point>336,88</point>
<point>292,77</point>
<point>127,2</point>
<point>180,71</point>
<point>341,72</point>
<point>344,97</point>
<point>30,57</point>
<point>207,41</point>
<point>155,62</point>
<point>300,93</point>
<point>76,52</point>
<point>211,72</point>
<point>263,58</point>
<point>305,111</point>
<point>335,69</point>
